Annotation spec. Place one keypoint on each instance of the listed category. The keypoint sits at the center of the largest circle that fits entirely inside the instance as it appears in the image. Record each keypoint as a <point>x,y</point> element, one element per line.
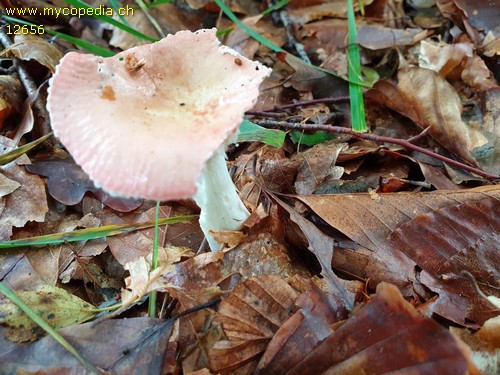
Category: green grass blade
<point>111,21</point>
<point>265,41</point>
<point>280,4</point>
<point>150,17</point>
<point>259,38</point>
<point>93,48</point>
<point>158,2</point>
<point>354,71</point>
<point>154,264</point>
<point>15,153</point>
<point>90,233</point>
<point>115,5</point>
<point>47,328</point>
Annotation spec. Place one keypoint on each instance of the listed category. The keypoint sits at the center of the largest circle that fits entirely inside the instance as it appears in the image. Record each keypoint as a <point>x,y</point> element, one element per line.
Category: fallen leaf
<point>68,183</point>
<point>32,47</point>
<point>54,305</point>
<point>387,335</point>
<point>11,97</point>
<point>134,345</point>
<point>143,279</point>
<point>429,100</point>
<point>250,316</point>
<point>448,241</point>
<point>369,223</point>
<point>28,202</point>
<point>305,330</point>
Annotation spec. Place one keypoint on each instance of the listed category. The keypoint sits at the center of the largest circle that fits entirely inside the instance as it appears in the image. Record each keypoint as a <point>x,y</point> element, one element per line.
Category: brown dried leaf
<point>318,166</point>
<point>429,100</point>
<point>250,316</point>
<point>7,186</point>
<point>387,335</point>
<point>129,247</point>
<point>369,223</point>
<point>373,36</point>
<point>304,331</point>
<point>448,241</point>
<point>26,203</point>
<point>260,255</point>
<point>32,47</point>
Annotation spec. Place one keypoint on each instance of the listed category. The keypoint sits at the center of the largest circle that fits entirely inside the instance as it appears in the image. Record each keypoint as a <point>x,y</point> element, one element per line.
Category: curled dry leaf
<point>429,100</point>
<point>143,280</point>
<point>32,47</point>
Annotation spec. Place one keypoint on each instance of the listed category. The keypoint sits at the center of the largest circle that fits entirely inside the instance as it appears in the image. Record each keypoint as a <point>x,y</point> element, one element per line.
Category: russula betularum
<point>153,121</point>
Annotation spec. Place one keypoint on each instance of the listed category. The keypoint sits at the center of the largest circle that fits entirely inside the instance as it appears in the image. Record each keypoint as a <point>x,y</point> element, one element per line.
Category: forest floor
<point>364,252</point>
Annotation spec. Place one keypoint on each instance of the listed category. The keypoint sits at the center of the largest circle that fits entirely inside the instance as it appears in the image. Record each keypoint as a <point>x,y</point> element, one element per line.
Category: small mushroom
<point>153,121</point>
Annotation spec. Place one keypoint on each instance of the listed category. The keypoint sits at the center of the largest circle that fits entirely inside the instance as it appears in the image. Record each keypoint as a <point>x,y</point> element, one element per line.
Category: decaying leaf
<point>135,345</point>
<point>143,280</point>
<point>11,97</point>
<point>7,185</point>
<point>55,305</point>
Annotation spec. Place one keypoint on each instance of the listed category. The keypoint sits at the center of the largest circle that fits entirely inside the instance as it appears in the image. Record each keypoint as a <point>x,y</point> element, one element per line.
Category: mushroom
<point>153,121</point>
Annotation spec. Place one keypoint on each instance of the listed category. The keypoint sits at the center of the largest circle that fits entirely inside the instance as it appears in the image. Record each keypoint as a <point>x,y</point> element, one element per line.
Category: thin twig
<point>372,137</point>
<point>314,101</point>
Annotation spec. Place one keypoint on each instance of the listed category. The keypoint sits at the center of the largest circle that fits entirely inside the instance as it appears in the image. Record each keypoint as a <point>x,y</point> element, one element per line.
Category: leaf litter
<point>333,267</point>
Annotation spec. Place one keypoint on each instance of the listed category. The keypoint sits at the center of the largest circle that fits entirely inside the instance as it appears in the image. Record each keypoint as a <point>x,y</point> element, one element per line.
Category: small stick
<point>372,137</point>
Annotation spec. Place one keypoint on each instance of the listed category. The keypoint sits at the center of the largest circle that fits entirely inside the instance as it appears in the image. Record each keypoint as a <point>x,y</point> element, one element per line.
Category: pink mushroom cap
<point>143,123</point>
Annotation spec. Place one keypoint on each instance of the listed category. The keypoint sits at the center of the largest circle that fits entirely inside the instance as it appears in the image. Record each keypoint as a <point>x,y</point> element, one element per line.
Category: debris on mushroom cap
<point>144,122</point>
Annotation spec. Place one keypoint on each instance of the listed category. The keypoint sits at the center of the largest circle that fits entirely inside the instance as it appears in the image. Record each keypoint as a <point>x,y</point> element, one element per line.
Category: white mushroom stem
<point>221,207</point>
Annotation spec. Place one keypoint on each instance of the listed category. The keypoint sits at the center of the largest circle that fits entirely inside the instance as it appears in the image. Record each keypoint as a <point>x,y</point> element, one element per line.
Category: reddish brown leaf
<point>305,330</point>
<point>448,241</point>
<point>386,335</point>
<point>369,222</point>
